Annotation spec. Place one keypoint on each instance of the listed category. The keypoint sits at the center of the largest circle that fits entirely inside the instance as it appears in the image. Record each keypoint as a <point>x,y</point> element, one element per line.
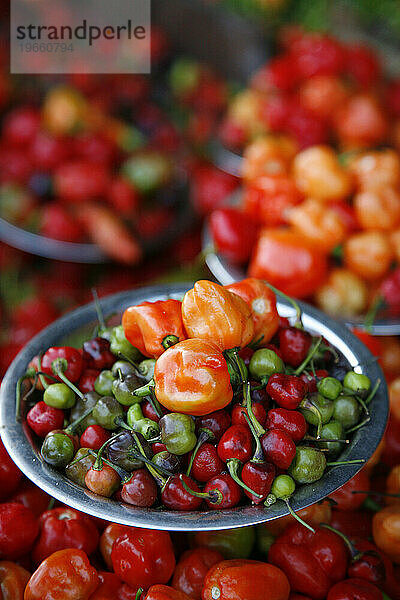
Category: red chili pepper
<point>206,464</point>
<point>294,344</point>
<point>42,418</point>
<point>344,496</point>
<point>164,592</point>
<point>109,587</point>
<point>94,437</point>
<point>217,422</point>
<point>10,475</point>
<point>391,452</point>
<point>87,380</point>
<point>354,588</point>
<point>71,355</point>
<point>258,476</point>
<point>64,575</point>
<point>18,530</point>
<point>233,233</point>
<point>97,354</point>
<point>62,528</point>
<point>140,489</point>
<point>236,443</point>
<point>143,557</point>
<point>352,523</point>
<point>31,496</point>
<point>313,562</point>
<point>278,448</point>
<point>191,570</point>
<point>148,326</point>
<point>292,422</point>
<point>108,537</point>
<point>223,492</point>
<point>239,419</point>
<point>286,390</point>
<point>175,497</point>
<point>210,188</point>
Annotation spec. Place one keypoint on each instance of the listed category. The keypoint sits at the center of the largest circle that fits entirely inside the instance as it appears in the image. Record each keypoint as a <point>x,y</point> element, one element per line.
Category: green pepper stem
<point>99,312</point>
<point>205,435</point>
<point>359,425</point>
<point>76,460</point>
<point>372,313</point>
<point>270,500</point>
<point>145,390</point>
<point>309,406</point>
<point>337,463</point>
<point>151,468</point>
<point>258,456</point>
<point>59,365</point>
<point>18,396</point>
<point>233,465</point>
<point>139,593</point>
<point>72,426</point>
<point>42,380</point>
<point>370,504</point>
<point>258,428</point>
<point>214,496</point>
<point>385,596</point>
<point>296,516</point>
<point>289,299</point>
<point>98,462</point>
<point>155,403</point>
<point>310,438</point>
<point>308,358</point>
<point>354,553</point>
<point>169,341</point>
<point>372,392</point>
<point>124,475</point>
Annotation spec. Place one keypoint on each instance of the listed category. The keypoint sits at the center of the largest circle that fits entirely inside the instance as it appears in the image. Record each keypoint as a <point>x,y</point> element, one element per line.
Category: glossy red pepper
<point>279,448</point>
<point>62,528</point>
<point>313,562</point>
<point>87,380</point>
<point>10,475</point>
<point>223,492</point>
<point>233,233</point>
<point>164,592</point>
<point>147,326</point>
<point>258,476</point>
<point>143,557</point>
<point>217,422</point>
<point>175,497</point>
<point>238,417</point>
<point>13,580</point>
<point>207,463</point>
<point>191,570</point>
<point>236,443</point>
<point>64,575</point>
<point>291,422</point>
<point>94,437</point>
<point>42,418</point>
<point>71,355</point>
<point>107,539</point>
<point>352,523</point>
<point>97,354</point>
<point>286,390</point>
<point>31,496</point>
<point>16,541</point>
<point>345,498</point>
<point>294,344</point>
<point>354,589</point>
<point>109,586</point>
<point>140,489</point>
<point>245,579</point>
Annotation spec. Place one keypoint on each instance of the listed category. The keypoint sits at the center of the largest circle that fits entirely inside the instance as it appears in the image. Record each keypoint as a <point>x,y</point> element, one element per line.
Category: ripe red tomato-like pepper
<point>262,302</point>
<point>111,533</point>
<point>142,557</point>
<point>247,580</point>
<point>31,496</point>
<point>13,580</point>
<point>109,587</point>
<point>18,530</point>
<point>147,326</point>
<point>354,589</point>
<point>212,313</point>
<point>313,562</point>
<point>289,262</point>
<point>64,575</point>
<point>192,378</point>
<point>192,568</point>
<point>10,475</point>
<point>164,592</point>
<point>62,528</point>
<point>233,233</point>
<point>71,355</point>
<point>344,496</point>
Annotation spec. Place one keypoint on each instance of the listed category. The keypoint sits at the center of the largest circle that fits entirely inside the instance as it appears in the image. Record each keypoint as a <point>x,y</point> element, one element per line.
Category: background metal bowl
<point>19,440</point>
<point>226,273</point>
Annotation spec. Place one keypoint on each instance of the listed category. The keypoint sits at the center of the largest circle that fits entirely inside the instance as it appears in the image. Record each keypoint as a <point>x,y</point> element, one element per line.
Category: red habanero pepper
<point>151,326</point>
<point>42,418</point>
<point>286,390</point>
<point>109,587</point>
<point>164,592</point>
<point>97,354</point>
<point>247,580</point>
<point>71,355</point>
<point>10,475</point>
<point>291,422</point>
<point>142,557</point>
<point>262,302</point>
<point>345,497</point>
<point>192,568</point>
<point>107,539</point>
<point>64,575</point>
<point>354,589</point>
<point>313,562</point>
<point>18,530</point>
<point>62,528</point>
<point>233,233</point>
<point>13,580</point>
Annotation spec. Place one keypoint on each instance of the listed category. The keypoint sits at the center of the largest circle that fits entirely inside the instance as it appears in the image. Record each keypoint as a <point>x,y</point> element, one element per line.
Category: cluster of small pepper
<point>320,210</point>
<point>266,418</point>
<point>57,553</point>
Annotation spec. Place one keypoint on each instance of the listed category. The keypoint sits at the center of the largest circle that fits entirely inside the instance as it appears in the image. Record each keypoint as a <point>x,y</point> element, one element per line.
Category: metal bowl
<point>20,443</point>
<point>226,273</point>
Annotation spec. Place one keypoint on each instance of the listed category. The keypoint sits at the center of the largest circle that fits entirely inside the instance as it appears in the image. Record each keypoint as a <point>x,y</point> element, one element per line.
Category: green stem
<point>51,503</point>
<point>296,516</point>
<point>42,380</point>
<point>76,460</point>
<point>373,392</point>
<point>59,366</point>
<point>124,475</point>
<point>145,390</point>
<point>139,593</point>
<point>169,341</point>
<point>354,553</point>
<point>258,456</point>
<point>155,403</point>
<point>308,358</point>
<point>72,426</point>
<point>371,315</point>
<point>356,427</point>
<point>383,494</point>
<point>370,504</point>
<point>18,396</point>
<point>233,465</point>
<point>289,299</point>
<point>310,438</point>
<point>151,468</point>
<point>345,462</point>
<point>309,406</point>
<point>214,496</point>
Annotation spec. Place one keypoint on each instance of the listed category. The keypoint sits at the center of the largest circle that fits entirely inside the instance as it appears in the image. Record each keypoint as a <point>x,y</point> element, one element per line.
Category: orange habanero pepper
<point>262,302</point>
<point>212,313</point>
<point>288,261</point>
<point>247,580</point>
<point>148,325</point>
<point>192,378</point>
<point>386,531</point>
<point>13,580</point>
<point>107,539</point>
<point>64,575</point>
<point>164,592</point>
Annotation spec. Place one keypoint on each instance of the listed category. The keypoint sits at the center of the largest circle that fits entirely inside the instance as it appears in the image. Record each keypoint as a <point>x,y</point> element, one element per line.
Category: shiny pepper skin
<point>245,579</point>
<point>142,557</point>
<point>192,569</point>
<point>18,530</point>
<point>262,302</point>
<point>147,324</point>
<point>286,390</point>
<point>13,580</point>
<point>291,422</point>
<point>192,378</point>
<point>164,592</point>
<point>213,313</point>
<point>313,562</point>
<point>71,355</point>
<point>62,528</point>
<point>64,575</point>
<point>10,475</point>
<point>354,589</point>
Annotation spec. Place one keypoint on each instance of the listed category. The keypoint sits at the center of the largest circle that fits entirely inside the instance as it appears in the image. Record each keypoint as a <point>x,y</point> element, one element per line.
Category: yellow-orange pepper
<point>262,302</point>
<point>386,531</point>
<point>192,378</point>
<point>147,325</point>
<point>211,312</point>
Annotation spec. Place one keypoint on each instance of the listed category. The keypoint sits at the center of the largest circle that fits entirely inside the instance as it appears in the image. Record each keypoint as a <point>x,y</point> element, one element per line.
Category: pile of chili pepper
<point>212,401</point>
<point>319,216</point>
